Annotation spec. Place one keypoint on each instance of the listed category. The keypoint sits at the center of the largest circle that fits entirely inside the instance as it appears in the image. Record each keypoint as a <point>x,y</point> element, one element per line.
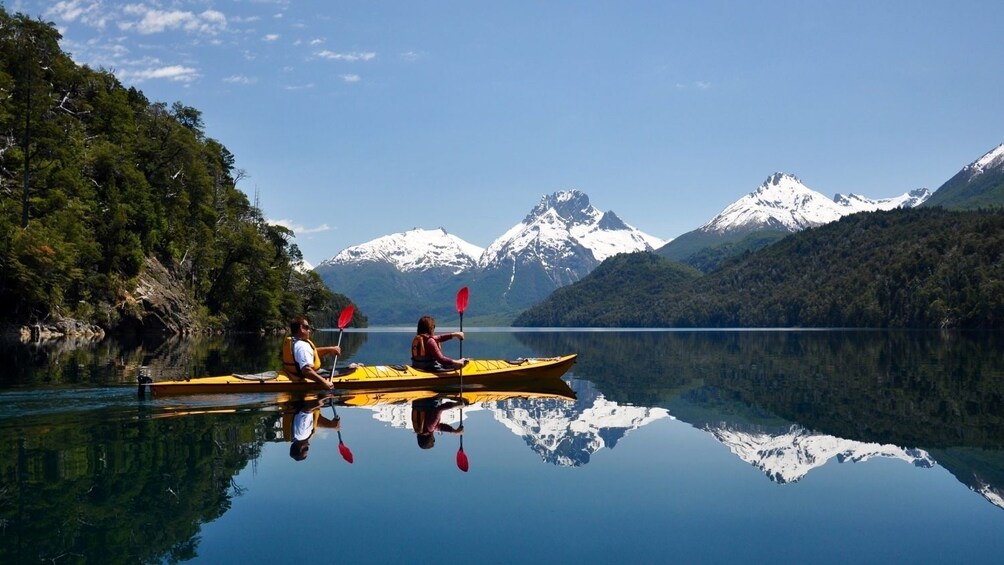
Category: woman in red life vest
<point>426,355</point>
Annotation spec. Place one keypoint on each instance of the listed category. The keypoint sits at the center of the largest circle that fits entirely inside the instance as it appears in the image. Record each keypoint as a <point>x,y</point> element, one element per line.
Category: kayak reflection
<point>303,416</point>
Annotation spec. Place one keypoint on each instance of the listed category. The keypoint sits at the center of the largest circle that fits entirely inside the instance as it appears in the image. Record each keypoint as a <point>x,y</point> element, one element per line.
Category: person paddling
<point>426,355</point>
<point>301,359</point>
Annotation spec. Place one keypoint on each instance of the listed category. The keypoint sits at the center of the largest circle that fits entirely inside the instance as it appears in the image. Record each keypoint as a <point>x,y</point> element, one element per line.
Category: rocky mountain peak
<point>571,206</point>
<point>611,221</point>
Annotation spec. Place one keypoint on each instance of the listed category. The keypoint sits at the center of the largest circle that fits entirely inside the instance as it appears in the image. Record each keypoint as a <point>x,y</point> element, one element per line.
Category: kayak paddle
<point>343,320</point>
<point>462,463</point>
<point>342,448</point>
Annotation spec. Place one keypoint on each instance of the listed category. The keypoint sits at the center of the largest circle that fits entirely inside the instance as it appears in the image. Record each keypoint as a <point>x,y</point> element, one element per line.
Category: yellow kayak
<point>376,377</point>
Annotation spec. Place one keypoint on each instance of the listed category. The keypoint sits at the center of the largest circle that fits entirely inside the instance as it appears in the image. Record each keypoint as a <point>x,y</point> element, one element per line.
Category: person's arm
<point>448,429</point>
<point>432,347</point>
<point>325,422</point>
<point>309,372</point>
<point>449,336</point>
<point>329,350</point>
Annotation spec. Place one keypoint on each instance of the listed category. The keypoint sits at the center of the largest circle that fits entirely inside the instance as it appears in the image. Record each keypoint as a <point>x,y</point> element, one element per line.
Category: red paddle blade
<point>462,300</point>
<point>346,453</point>
<point>462,463</point>
<point>346,316</point>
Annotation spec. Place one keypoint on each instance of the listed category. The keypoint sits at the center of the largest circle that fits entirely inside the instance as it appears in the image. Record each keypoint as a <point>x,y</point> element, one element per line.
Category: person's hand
<point>336,350</point>
<point>459,335</point>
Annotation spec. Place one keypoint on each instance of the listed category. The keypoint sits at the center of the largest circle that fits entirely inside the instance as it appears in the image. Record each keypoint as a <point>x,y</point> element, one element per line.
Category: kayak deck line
<point>477,371</point>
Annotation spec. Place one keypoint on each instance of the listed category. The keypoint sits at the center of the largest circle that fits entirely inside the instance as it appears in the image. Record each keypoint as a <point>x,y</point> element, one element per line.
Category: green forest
<point>97,181</point>
<point>916,268</point>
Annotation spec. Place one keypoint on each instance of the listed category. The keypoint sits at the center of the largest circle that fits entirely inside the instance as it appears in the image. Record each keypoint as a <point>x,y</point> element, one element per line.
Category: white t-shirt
<point>303,353</point>
<point>303,425</point>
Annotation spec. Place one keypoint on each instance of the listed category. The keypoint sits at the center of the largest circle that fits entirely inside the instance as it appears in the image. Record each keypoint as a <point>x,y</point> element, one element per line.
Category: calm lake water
<point>682,446</point>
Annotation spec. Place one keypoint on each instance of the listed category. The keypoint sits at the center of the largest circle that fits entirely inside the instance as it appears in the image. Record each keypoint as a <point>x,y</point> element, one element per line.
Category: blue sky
<point>359,119</point>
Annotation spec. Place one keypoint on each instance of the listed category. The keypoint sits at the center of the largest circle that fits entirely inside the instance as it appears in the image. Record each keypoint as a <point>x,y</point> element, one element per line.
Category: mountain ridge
<point>560,240</point>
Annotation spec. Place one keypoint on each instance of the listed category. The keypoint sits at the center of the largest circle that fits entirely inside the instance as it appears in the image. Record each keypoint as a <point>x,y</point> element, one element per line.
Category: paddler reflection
<point>304,421</point>
<point>426,414</point>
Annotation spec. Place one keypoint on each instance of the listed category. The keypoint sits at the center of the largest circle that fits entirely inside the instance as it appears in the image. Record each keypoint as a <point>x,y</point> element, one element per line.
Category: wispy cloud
<point>698,84</point>
<point>271,37</point>
<point>351,78</point>
<point>178,73</point>
<point>88,12</point>
<point>156,21</point>
<point>299,229</point>
<point>351,57</point>
<point>240,79</point>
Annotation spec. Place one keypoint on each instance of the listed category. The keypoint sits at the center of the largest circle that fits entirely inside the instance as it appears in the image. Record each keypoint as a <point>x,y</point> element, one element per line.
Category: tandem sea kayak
<point>371,377</point>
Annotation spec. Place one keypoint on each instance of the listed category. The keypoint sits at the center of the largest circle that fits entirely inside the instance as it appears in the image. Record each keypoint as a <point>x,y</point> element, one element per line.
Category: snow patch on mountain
<point>413,250</point>
<point>994,159</point>
<point>784,203</point>
<point>854,203</point>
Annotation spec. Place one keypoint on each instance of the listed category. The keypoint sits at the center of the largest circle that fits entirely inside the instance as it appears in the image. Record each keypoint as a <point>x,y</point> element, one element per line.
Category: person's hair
<point>296,322</point>
<point>426,324</point>
<point>298,449</point>
<point>426,441</point>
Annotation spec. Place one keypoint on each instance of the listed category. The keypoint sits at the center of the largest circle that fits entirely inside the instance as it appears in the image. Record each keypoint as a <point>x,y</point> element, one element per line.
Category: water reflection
<point>787,402</point>
<point>90,471</point>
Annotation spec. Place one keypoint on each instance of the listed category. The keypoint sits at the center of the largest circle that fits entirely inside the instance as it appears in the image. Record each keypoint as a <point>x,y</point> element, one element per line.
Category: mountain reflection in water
<point>91,473</point>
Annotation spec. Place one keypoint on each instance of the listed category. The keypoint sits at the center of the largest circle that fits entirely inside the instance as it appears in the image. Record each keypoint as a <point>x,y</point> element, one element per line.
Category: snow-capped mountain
<point>979,184</point>
<point>561,240</point>
<point>784,203</point>
<point>413,250</point>
<point>854,203</point>
<point>993,160</point>
<point>564,220</point>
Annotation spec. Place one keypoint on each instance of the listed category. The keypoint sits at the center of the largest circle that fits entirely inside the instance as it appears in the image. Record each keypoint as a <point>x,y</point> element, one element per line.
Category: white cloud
<point>410,56</point>
<point>698,84</point>
<point>307,86</point>
<point>352,57</point>
<point>351,78</point>
<point>299,229</point>
<point>171,72</point>
<point>316,41</point>
<point>240,79</point>
<point>89,12</point>
<point>271,37</point>
<point>155,21</point>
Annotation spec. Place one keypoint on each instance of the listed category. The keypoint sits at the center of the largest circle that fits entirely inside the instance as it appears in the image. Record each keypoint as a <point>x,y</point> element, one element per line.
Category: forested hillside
<point>96,181</point>
<point>920,268</point>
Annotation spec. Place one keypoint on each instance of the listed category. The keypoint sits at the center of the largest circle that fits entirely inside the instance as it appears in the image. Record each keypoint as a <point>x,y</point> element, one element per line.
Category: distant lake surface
<point>673,446</point>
